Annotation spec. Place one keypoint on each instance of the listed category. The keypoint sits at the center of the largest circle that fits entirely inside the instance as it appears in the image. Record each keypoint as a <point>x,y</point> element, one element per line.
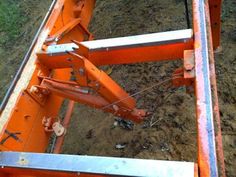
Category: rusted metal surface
<point>216,113</point>
<point>207,159</point>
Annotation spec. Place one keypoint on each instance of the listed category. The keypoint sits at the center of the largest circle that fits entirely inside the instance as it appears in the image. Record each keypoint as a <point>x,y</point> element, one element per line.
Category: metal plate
<point>97,165</point>
<point>140,40</point>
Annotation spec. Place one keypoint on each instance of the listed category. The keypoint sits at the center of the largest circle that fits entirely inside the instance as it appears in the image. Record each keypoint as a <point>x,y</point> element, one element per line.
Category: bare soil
<point>170,133</point>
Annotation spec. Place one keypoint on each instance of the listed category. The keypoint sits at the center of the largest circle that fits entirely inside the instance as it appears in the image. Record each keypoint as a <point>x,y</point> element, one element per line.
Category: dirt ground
<point>170,133</point>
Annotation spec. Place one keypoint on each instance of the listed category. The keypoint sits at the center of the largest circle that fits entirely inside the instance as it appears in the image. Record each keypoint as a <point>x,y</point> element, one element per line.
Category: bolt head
<point>188,67</point>
<point>34,89</point>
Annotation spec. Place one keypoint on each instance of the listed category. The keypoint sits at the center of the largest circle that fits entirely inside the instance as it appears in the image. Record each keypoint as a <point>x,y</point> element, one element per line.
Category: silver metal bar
<point>140,40</point>
<point>126,42</point>
<point>61,48</point>
<point>97,165</point>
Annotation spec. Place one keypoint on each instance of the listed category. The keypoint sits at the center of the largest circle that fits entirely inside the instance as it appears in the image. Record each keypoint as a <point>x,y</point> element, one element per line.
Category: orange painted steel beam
<point>122,56</point>
<point>12,172</point>
<point>141,54</point>
<point>215,102</point>
<point>63,31</point>
<point>207,109</point>
<point>215,21</point>
<point>167,46</point>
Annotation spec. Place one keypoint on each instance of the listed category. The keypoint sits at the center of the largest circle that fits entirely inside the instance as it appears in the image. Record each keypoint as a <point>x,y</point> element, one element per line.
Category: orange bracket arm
<point>124,50</point>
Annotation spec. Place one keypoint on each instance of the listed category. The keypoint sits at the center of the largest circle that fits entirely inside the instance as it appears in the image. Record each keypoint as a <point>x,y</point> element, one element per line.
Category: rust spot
<point>23,160</point>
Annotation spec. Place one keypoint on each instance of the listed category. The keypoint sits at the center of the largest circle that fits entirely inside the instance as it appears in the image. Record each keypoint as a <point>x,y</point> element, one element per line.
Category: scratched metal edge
<point>216,115</point>
<point>207,161</point>
<point>97,165</point>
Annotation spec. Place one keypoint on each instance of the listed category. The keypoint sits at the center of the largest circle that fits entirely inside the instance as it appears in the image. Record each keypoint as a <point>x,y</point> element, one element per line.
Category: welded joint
<point>185,76</point>
<point>189,67</point>
<point>38,93</point>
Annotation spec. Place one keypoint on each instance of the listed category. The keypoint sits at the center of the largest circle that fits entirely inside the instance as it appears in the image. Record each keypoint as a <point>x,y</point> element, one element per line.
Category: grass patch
<point>11,21</point>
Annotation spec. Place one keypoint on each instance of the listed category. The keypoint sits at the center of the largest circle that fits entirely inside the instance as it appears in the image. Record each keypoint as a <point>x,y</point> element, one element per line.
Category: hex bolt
<point>188,67</point>
<point>115,107</point>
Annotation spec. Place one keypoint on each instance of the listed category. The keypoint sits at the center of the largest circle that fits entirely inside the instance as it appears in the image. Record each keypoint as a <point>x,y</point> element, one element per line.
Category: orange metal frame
<point>28,119</point>
<point>50,82</point>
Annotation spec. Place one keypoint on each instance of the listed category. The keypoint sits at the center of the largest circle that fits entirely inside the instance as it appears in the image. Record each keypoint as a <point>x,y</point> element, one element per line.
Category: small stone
<point>120,146</point>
